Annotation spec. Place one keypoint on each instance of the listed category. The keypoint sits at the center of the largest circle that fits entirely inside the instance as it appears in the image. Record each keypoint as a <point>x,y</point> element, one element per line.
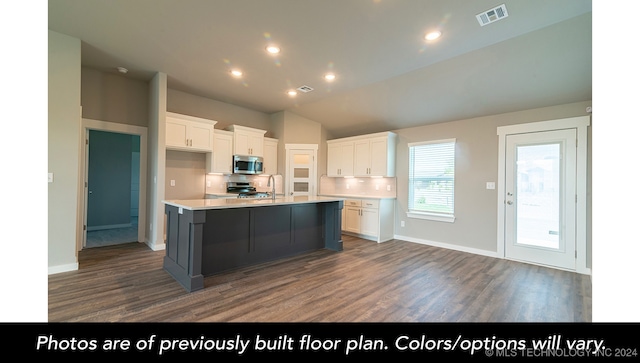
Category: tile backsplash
<point>371,187</point>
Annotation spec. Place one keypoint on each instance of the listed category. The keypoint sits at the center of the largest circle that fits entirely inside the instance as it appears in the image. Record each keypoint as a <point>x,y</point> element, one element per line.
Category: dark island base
<point>205,242</point>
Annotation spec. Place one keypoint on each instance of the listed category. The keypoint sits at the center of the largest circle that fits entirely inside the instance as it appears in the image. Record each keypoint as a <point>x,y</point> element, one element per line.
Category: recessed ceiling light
<point>292,93</point>
<point>236,73</point>
<point>122,70</point>
<point>273,49</point>
<point>433,35</point>
<point>329,77</point>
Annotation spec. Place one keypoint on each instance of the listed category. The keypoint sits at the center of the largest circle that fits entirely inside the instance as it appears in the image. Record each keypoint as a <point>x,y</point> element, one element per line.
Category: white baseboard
<point>447,246</point>
<point>155,247</point>
<point>62,268</point>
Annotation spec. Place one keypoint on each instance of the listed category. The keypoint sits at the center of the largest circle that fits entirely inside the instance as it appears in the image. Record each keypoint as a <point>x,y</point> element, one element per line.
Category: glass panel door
<point>540,198</point>
<point>301,172</point>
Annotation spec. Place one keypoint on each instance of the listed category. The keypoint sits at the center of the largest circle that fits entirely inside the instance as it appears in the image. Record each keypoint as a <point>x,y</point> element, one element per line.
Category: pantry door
<point>301,169</point>
<point>540,199</point>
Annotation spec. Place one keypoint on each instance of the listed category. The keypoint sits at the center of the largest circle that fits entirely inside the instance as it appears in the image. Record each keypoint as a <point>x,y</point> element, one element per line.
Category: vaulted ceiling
<point>387,75</point>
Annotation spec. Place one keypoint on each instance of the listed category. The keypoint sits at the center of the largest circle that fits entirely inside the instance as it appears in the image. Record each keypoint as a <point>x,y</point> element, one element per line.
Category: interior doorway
<point>113,188</point>
<point>114,171</point>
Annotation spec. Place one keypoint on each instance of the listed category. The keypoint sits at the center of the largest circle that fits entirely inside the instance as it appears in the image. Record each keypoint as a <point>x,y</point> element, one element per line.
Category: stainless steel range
<point>245,190</point>
<point>254,195</point>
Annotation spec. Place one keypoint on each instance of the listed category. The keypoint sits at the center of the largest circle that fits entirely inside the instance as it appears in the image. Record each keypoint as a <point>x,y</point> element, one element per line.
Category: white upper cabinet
<point>221,160</point>
<point>189,133</point>
<point>340,158</point>
<point>247,140</point>
<point>366,155</point>
<point>270,156</point>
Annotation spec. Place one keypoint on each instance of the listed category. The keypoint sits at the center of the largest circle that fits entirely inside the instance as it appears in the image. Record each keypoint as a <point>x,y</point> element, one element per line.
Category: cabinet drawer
<point>353,203</point>
<point>370,203</point>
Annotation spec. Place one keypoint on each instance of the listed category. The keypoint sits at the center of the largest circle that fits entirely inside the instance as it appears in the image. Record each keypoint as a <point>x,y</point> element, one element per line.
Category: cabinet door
<point>378,159</point>
<point>352,219</point>
<point>241,143</point>
<point>347,164</point>
<point>362,158</point>
<point>256,144</point>
<point>223,154</point>
<point>369,222</point>
<point>334,154</point>
<point>176,133</point>
<point>248,143</point>
<point>201,136</point>
<point>270,156</point>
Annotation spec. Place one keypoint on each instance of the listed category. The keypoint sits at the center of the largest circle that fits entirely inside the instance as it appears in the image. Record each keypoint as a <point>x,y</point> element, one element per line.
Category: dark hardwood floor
<point>394,281</point>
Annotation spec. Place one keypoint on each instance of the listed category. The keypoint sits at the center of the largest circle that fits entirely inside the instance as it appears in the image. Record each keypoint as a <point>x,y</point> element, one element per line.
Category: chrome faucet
<point>273,186</point>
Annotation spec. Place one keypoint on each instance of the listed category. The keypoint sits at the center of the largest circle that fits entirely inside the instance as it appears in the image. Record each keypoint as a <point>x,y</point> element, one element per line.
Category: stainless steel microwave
<point>246,164</point>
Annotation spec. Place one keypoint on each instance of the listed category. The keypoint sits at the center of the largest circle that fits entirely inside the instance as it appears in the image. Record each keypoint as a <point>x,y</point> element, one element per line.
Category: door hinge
<point>84,227</point>
<point>86,141</point>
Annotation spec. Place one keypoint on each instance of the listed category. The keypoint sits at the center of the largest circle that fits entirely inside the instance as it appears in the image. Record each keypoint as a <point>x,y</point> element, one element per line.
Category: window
<point>432,180</point>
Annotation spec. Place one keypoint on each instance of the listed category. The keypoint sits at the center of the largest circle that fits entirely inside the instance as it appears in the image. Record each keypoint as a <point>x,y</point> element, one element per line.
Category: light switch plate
<point>50,177</point>
<point>173,183</point>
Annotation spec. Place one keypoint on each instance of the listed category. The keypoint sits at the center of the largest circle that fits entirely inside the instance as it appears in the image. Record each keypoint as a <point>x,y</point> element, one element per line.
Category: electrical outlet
<point>401,223</point>
<point>388,188</point>
<point>173,183</point>
<point>491,185</point>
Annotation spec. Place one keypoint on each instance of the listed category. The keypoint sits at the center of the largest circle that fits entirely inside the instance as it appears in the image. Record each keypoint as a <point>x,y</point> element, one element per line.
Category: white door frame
<point>580,124</point>
<point>89,124</point>
<point>314,148</point>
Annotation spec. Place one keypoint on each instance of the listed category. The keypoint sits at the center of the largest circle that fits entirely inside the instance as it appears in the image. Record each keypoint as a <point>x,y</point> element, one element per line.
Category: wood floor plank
<point>395,281</point>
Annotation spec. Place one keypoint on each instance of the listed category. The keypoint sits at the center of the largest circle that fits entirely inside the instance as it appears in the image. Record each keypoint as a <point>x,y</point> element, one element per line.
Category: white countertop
<point>199,204</point>
<point>354,196</point>
<point>228,195</point>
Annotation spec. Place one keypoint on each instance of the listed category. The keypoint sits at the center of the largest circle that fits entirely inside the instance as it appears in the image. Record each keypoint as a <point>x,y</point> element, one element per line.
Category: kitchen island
<point>208,236</point>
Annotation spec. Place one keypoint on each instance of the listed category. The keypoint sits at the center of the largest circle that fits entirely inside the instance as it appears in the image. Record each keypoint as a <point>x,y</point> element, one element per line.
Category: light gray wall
<point>290,128</point>
<point>188,170</point>
<point>114,98</point>
<point>63,148</point>
<point>226,114</point>
<point>475,226</point>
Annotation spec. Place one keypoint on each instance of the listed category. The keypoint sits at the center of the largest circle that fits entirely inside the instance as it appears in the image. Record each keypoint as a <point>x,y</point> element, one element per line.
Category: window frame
<point>430,215</point>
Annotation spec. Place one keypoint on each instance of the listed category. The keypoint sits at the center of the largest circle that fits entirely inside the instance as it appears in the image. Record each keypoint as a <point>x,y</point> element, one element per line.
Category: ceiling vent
<point>490,16</point>
<point>305,89</point>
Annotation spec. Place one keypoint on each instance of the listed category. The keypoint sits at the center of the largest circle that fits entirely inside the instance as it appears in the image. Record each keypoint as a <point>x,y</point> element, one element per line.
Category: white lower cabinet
<point>370,219</point>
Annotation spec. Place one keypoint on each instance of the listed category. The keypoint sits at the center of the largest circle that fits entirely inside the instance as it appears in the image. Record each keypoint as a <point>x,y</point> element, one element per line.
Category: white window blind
<point>432,177</point>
